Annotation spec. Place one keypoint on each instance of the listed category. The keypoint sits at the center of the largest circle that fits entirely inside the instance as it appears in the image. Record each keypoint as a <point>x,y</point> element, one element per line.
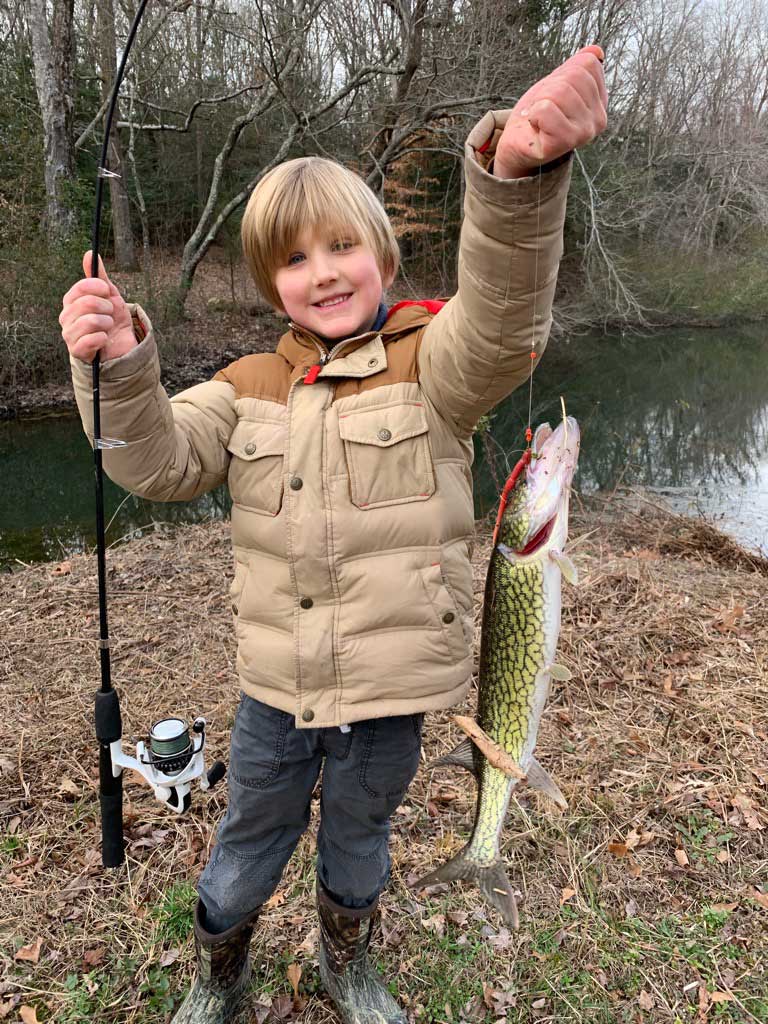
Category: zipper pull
<point>313,371</point>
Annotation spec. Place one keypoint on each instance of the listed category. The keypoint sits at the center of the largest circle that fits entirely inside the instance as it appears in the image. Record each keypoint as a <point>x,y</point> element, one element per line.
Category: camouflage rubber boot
<point>360,995</point>
<point>223,970</point>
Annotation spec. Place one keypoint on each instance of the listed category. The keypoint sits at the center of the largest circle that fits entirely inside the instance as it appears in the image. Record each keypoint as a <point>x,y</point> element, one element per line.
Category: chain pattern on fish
<point>521,620</point>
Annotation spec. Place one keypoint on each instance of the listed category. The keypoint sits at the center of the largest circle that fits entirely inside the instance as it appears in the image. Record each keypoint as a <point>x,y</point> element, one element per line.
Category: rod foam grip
<point>112,844</point>
<point>109,726</point>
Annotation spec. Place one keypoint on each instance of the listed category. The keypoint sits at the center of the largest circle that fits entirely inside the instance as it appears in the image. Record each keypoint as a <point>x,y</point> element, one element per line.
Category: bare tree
<point>53,56</point>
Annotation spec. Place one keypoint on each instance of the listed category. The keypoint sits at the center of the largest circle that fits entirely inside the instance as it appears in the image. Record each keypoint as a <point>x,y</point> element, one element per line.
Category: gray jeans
<point>273,770</point>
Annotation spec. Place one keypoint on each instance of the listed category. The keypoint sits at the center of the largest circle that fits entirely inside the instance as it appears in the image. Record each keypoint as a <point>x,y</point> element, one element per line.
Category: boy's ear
<point>388,280</point>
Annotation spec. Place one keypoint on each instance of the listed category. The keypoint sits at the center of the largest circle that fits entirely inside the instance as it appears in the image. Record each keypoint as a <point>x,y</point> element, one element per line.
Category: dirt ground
<point>646,901</point>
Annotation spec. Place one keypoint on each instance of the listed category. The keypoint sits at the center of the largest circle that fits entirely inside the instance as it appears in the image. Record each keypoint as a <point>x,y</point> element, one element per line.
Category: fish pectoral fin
<point>541,780</point>
<point>559,672</point>
<point>461,756</point>
<point>506,552</point>
<point>566,566</point>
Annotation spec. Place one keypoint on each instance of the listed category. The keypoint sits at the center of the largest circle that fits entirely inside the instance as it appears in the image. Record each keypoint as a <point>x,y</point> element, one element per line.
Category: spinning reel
<point>171,762</point>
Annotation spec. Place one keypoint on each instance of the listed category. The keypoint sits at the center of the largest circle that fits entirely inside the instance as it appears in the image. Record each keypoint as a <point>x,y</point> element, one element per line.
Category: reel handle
<point>216,773</point>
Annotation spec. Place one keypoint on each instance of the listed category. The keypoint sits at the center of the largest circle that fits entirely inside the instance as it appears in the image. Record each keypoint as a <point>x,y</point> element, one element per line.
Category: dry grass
<point>645,901</point>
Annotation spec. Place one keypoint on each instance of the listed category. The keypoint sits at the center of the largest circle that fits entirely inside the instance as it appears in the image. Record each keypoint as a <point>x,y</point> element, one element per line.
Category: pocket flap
<point>383,426</point>
<point>253,440</point>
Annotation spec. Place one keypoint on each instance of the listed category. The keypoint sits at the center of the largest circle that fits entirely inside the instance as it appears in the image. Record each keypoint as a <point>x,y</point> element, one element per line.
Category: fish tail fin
<point>492,880</point>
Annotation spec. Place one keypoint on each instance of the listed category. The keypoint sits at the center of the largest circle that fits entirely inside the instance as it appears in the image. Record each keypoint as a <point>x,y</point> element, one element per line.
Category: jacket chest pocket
<point>256,468</point>
<point>388,455</point>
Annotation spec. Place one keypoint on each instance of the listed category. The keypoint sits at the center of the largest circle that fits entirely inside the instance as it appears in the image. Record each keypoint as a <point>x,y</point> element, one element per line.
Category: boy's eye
<point>294,258</point>
<point>342,244</point>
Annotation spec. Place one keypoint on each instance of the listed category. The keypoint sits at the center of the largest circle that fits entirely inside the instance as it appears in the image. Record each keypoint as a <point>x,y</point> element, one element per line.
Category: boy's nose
<point>323,271</point>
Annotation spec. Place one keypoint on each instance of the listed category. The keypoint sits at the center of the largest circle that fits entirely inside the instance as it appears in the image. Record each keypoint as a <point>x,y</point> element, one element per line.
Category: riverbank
<point>223,321</point>
<point>645,901</point>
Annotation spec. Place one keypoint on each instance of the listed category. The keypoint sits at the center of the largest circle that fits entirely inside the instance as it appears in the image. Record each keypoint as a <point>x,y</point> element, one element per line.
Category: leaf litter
<point>658,742</point>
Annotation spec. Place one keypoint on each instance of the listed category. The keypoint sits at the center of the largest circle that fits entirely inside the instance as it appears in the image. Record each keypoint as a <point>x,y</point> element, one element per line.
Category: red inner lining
<point>539,538</point>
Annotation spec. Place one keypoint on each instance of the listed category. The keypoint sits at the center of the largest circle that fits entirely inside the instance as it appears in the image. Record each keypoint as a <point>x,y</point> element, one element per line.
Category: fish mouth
<point>540,538</point>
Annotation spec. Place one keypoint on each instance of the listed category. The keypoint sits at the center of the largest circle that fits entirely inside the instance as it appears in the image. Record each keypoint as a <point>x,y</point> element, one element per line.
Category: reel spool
<point>170,761</point>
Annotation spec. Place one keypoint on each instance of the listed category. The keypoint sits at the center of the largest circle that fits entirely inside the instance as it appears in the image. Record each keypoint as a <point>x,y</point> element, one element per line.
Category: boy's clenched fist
<point>95,318</point>
<point>563,111</point>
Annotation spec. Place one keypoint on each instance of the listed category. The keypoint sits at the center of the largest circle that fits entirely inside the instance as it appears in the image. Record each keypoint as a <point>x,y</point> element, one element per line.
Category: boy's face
<point>332,287</point>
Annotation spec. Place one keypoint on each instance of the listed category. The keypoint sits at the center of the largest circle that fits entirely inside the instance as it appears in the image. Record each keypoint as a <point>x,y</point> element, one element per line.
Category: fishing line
<point>529,428</point>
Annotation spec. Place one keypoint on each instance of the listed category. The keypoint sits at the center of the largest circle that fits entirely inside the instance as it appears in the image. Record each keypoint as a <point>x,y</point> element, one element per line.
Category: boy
<point>347,452</point>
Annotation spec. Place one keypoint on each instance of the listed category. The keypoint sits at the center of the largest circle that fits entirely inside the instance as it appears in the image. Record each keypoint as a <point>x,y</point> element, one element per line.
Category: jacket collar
<point>361,356</point>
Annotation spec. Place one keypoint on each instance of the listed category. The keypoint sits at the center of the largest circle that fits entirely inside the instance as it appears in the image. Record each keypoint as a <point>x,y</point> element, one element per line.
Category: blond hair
<point>319,195</point>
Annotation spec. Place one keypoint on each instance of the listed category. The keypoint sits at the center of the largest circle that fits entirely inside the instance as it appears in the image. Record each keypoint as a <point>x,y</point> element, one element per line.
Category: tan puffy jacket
<point>352,518</point>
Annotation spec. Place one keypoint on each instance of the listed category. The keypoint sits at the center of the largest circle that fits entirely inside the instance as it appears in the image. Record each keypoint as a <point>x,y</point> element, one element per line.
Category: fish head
<point>536,514</point>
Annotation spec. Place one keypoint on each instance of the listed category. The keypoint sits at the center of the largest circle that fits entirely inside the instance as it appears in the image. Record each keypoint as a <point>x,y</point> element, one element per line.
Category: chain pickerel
<point>521,623</point>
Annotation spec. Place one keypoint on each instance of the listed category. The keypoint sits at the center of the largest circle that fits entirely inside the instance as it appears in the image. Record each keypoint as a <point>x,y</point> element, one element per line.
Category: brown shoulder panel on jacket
<point>402,367</point>
<point>264,375</point>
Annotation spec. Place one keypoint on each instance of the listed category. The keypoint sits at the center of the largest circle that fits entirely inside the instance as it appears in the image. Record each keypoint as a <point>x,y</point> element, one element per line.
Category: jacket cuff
<point>127,365</point>
<point>479,151</point>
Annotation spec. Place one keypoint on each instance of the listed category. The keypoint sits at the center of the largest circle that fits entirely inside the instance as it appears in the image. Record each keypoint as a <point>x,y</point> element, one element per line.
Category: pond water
<point>684,414</point>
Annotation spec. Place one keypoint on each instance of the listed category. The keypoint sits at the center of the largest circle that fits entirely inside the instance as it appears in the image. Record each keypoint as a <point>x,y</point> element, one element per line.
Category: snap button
<point>448,617</point>
<point>384,434</point>
<point>250,448</point>
<point>373,362</point>
<point>306,602</point>
<point>296,483</point>
<point>307,716</point>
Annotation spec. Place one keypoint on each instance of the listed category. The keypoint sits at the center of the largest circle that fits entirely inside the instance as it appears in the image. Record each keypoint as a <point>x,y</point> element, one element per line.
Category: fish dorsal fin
<point>541,780</point>
<point>462,756</point>
<point>566,566</point>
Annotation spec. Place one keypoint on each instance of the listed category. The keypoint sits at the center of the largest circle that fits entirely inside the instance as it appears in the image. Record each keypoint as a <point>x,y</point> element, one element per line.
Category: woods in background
<point>219,92</point>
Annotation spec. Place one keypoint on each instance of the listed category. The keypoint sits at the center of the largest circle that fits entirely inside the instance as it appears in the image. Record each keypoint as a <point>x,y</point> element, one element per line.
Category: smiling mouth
<point>337,300</point>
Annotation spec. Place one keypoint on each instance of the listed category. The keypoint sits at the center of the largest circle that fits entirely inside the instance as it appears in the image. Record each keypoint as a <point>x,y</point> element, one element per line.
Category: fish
<point>520,629</point>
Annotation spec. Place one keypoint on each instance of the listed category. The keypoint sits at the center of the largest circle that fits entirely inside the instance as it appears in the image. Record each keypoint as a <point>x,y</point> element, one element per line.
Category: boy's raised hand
<point>94,318</point>
<point>563,111</point>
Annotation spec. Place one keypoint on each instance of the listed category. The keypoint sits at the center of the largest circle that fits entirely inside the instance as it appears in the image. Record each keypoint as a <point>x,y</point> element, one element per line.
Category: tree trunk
<point>53,56</point>
<point>125,255</point>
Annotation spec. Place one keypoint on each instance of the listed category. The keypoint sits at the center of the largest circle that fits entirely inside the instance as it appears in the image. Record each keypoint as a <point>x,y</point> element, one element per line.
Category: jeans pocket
<point>258,742</point>
<point>390,756</point>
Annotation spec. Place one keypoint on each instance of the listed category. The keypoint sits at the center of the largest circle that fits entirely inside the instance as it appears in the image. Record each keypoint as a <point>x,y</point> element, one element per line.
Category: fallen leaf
<point>721,997</point>
<point>618,849</point>
<point>30,952</point>
<point>68,788</point>
<point>681,857</point>
<point>62,569</point>
<point>294,976</point>
<point>704,1001</point>
<point>435,924</point>
<point>281,1008</point>
<point>93,957</point>
<point>7,1006</point>
<point>761,898</point>
<point>538,1004</point>
<point>723,856</point>
<point>630,909</point>
<point>646,1000</point>
<point>276,899</point>
<point>727,618</point>
<point>565,895</point>
<point>169,956</point>
<point>28,1015</point>
<point>749,810</point>
<point>724,906</point>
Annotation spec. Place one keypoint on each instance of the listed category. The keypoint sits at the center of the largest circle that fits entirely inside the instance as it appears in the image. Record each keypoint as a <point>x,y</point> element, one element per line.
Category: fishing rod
<point>171,759</point>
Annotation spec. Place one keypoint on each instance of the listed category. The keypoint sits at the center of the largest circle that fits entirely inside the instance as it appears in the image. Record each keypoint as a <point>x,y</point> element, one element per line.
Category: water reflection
<point>685,413</point>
